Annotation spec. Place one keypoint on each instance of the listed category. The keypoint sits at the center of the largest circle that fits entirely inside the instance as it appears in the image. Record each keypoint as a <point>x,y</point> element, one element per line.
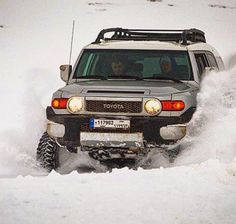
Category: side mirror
<point>65,72</point>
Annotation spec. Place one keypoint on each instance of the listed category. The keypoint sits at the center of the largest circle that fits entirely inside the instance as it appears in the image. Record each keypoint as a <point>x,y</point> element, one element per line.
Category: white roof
<point>202,47</point>
<point>150,45</point>
<point>141,45</point>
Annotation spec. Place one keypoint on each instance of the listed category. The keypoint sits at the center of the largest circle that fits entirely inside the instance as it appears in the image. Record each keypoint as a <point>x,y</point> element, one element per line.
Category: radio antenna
<point>72,37</point>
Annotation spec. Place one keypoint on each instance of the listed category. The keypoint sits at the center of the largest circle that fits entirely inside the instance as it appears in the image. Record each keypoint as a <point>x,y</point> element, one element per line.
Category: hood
<point>137,87</point>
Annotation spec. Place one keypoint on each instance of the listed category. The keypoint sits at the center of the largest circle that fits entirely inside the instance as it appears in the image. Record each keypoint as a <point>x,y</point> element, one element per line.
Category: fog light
<point>173,132</point>
<point>55,130</point>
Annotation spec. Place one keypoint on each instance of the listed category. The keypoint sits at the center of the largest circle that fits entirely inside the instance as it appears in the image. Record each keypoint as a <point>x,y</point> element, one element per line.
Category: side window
<point>201,62</point>
<point>212,60</point>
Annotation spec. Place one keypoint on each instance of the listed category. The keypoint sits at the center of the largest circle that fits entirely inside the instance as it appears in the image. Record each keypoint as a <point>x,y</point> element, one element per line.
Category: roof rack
<point>180,36</point>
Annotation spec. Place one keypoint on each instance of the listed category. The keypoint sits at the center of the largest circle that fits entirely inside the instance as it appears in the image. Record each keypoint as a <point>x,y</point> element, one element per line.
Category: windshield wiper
<point>125,77</point>
<point>92,77</point>
<point>164,78</point>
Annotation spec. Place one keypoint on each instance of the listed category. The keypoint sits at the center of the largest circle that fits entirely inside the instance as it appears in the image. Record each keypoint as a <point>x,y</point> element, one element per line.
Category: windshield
<point>137,64</point>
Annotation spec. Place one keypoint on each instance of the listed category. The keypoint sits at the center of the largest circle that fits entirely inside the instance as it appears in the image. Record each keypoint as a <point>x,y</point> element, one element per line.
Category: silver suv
<point>131,91</point>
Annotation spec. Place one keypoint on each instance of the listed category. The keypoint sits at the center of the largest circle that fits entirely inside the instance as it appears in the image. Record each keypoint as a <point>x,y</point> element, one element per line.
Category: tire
<point>47,152</point>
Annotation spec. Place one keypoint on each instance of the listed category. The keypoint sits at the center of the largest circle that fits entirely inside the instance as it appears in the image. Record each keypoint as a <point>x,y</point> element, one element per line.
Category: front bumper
<point>149,126</point>
<point>110,140</point>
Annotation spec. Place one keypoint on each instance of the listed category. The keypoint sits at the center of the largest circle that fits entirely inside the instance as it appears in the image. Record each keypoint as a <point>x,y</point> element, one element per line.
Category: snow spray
<point>211,134</point>
<point>24,98</point>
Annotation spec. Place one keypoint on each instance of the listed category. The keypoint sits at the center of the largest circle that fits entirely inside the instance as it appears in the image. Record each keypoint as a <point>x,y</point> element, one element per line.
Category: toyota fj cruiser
<point>129,90</point>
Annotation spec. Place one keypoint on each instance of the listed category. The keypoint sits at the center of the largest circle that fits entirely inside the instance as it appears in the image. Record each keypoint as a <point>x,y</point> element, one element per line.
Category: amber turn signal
<point>172,105</point>
<point>59,103</point>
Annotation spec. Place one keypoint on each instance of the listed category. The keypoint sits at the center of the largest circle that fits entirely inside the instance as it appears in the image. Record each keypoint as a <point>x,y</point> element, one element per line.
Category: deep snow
<point>194,194</point>
<point>35,40</point>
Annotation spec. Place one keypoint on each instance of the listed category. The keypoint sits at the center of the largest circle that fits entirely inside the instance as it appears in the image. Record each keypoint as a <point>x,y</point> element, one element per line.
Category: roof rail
<point>181,36</point>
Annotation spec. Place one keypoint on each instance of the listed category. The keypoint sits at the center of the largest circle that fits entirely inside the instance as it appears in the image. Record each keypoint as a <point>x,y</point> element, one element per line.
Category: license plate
<point>107,123</point>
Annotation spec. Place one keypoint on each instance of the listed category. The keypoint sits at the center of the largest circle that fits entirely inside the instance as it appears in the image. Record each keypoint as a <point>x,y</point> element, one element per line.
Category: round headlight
<point>153,107</point>
<point>75,104</point>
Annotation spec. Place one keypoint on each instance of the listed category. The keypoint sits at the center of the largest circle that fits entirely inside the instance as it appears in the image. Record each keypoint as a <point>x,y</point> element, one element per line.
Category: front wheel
<point>47,152</point>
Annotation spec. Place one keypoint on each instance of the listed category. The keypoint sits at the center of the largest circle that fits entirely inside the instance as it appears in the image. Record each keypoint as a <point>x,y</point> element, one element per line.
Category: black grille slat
<point>114,106</point>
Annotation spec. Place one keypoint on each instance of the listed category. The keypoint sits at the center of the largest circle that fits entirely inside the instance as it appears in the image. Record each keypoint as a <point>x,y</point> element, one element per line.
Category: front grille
<point>114,106</point>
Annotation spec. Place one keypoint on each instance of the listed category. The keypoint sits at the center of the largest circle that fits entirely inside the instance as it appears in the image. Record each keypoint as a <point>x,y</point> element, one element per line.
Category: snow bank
<point>195,194</point>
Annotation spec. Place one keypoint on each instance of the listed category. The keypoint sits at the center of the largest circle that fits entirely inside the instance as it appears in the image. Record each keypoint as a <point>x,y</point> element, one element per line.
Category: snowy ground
<point>199,188</point>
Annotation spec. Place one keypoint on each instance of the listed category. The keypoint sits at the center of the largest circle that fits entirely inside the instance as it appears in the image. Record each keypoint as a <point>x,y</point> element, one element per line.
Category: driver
<point>166,65</point>
<point>118,67</point>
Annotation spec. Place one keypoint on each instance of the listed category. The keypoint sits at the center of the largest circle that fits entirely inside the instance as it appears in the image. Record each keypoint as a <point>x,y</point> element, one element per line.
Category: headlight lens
<point>153,107</point>
<point>75,104</point>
